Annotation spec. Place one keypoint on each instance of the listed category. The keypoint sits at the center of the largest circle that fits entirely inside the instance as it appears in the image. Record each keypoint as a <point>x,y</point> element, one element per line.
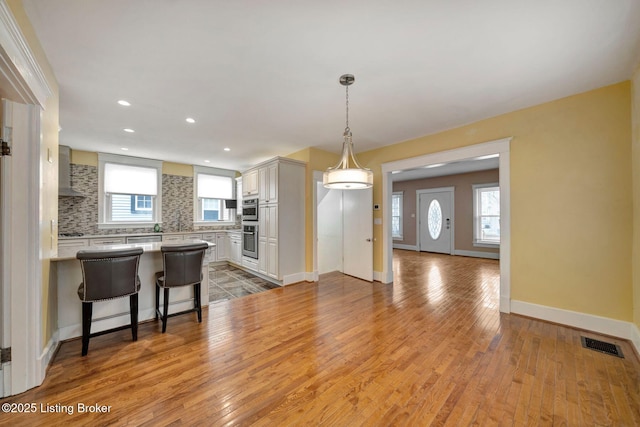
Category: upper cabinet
<point>250,183</point>
<point>268,183</point>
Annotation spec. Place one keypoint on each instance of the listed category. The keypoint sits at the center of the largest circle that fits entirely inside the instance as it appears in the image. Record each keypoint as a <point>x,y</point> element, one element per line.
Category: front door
<point>435,230</point>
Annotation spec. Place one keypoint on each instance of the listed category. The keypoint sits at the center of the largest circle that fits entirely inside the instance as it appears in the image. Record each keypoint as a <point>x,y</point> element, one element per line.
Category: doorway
<point>500,147</point>
<point>343,231</point>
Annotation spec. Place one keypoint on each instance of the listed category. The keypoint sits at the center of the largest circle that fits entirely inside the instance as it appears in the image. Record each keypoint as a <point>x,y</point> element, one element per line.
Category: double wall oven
<point>250,228</point>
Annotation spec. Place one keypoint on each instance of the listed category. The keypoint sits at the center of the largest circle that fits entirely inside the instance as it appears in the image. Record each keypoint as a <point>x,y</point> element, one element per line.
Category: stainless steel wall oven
<point>250,240</point>
<point>250,209</point>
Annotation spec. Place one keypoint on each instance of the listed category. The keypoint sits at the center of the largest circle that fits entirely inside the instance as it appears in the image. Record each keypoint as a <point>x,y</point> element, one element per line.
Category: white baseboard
<point>311,276</point>
<point>294,278</point>
<point>477,254</point>
<point>45,357</point>
<point>589,322</point>
<point>122,319</point>
<point>406,247</point>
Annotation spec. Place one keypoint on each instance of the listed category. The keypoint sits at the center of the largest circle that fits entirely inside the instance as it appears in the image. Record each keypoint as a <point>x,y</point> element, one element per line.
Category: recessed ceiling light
<point>227,149</point>
<point>128,130</point>
<point>207,161</point>
<point>124,149</point>
<point>123,102</point>
<point>190,120</point>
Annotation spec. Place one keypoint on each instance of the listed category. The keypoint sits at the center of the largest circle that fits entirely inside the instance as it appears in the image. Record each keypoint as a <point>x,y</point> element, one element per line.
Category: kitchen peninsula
<point>67,274</point>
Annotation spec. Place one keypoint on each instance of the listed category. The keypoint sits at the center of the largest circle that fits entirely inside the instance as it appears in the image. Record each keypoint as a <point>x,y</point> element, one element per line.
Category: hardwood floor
<point>430,349</point>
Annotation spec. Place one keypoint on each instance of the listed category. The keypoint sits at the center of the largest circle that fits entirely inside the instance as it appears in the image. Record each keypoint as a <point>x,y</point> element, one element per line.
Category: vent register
<point>601,346</point>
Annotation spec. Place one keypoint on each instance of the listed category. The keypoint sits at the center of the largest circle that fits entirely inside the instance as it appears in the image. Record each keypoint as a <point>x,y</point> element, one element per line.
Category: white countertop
<point>67,253</point>
<point>172,233</point>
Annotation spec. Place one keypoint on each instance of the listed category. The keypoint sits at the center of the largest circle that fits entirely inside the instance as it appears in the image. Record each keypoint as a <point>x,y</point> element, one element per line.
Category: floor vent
<point>601,346</point>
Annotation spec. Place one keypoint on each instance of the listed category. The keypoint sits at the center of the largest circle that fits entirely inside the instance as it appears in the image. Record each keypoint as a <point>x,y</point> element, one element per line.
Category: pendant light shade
<point>347,174</point>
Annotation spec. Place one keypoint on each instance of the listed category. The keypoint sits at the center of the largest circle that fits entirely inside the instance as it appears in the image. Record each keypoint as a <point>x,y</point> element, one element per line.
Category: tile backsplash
<point>80,214</point>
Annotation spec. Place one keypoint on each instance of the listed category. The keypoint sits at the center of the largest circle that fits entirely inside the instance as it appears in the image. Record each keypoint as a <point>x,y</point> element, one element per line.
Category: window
<point>396,215</point>
<point>486,221</point>
<point>212,187</point>
<point>129,191</point>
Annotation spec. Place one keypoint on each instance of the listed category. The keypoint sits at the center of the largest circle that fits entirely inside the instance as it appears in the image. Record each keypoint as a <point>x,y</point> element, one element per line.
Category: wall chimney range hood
<point>64,173</point>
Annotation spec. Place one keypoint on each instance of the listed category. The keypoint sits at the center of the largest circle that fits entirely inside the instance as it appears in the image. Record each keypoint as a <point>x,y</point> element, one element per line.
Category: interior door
<point>3,261</point>
<point>436,220</point>
<point>358,233</point>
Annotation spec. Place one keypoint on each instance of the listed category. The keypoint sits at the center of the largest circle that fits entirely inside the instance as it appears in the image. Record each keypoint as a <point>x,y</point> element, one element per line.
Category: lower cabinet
<point>222,240</point>
<point>235,248</point>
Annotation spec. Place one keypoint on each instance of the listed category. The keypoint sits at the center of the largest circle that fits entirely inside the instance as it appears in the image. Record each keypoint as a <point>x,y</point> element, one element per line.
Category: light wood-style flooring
<point>430,349</point>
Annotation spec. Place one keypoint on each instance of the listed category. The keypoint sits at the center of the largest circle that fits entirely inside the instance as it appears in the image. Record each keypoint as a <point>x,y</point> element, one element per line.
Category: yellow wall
<point>48,171</point>
<point>635,156</point>
<point>571,201</point>
<point>90,158</point>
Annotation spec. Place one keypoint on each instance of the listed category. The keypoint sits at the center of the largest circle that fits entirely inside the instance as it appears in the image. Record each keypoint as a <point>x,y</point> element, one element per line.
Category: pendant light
<point>347,174</point>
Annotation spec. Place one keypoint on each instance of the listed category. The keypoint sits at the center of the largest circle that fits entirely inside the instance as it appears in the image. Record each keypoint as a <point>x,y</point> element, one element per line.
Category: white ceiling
<point>261,77</point>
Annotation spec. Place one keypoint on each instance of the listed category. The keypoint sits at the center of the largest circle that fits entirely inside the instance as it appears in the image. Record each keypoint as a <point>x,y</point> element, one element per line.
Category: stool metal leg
<point>165,304</point>
<point>157,299</point>
<point>87,311</point>
<point>133,306</point>
<point>196,294</point>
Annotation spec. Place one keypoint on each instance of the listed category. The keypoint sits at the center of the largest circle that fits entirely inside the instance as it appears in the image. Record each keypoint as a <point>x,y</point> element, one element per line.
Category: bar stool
<point>182,266</point>
<point>106,275</point>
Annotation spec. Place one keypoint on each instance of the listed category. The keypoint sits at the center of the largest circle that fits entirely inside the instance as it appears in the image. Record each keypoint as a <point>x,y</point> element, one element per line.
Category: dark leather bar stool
<point>182,266</point>
<point>106,275</point>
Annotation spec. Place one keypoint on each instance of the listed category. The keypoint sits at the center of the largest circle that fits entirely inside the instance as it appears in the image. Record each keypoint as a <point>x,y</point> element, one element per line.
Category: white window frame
<point>396,194</point>
<point>196,203</point>
<point>103,203</point>
<point>476,217</point>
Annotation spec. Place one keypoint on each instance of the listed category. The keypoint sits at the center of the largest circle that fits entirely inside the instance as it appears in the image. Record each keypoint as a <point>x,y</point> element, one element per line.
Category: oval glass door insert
<point>434,219</point>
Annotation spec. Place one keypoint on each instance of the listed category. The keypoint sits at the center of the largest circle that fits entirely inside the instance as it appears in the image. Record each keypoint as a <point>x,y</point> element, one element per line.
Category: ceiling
<point>261,78</point>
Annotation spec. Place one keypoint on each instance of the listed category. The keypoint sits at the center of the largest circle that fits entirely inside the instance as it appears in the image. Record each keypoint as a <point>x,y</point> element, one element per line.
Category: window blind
<point>214,186</point>
<point>125,179</point>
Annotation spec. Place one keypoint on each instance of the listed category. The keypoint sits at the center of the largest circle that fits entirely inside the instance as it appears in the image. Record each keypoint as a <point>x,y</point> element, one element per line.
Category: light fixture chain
<point>347,89</point>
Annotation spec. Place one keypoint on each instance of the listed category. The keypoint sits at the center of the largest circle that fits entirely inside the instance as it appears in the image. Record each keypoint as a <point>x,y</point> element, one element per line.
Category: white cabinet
<point>281,219</point>
<point>105,241</point>
<point>222,246</point>
<point>193,237</point>
<point>268,183</point>
<point>239,192</point>
<point>250,183</point>
<point>172,237</point>
<point>268,240</point>
<point>235,248</point>
<point>73,243</point>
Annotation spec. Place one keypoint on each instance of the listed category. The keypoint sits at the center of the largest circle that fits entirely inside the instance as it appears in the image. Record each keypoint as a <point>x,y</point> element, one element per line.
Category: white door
<point>358,233</point>
<point>435,229</point>
<point>19,241</point>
